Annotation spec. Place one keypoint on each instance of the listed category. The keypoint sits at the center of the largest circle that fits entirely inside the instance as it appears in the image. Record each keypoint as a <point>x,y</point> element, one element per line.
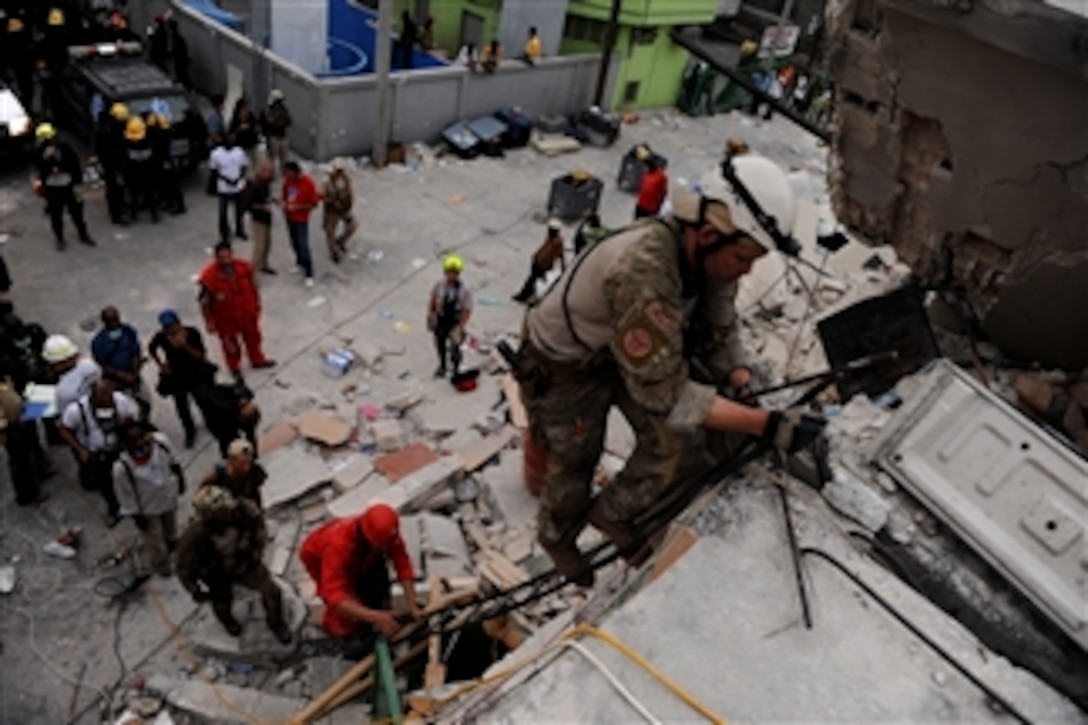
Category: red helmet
<point>381,525</point>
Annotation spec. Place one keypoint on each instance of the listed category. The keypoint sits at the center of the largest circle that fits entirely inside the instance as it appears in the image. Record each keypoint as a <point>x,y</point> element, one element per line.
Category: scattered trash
<point>59,550</point>
<point>7,579</point>
<point>457,199</point>
<point>336,362</point>
<point>375,255</point>
<point>401,326</point>
<point>419,263</point>
<point>489,300</point>
<point>71,537</point>
<point>370,412</point>
<point>316,301</point>
<point>386,314</point>
<point>4,238</point>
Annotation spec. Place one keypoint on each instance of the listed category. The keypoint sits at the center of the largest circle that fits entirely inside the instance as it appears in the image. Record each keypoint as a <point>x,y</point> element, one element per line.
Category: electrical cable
<point>613,680</point>
<point>916,631</point>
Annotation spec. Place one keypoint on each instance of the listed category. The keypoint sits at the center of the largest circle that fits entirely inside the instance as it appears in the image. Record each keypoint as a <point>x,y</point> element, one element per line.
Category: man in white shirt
<point>229,164</point>
<point>89,426</point>
<point>75,374</point>
<point>147,480</point>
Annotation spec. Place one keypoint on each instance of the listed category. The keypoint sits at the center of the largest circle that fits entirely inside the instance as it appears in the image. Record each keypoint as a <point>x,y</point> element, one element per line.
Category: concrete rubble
<point>720,591</point>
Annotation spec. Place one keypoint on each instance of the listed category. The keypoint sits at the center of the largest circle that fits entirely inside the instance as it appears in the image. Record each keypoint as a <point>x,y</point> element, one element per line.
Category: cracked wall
<point>961,137</point>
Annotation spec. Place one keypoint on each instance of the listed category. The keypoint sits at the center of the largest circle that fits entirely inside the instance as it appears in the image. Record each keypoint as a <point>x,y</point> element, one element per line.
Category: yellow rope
<point>590,630</point>
<point>615,643</point>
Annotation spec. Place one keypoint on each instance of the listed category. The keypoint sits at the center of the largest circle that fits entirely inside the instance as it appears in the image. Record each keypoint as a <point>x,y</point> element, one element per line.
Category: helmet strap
<point>785,243</point>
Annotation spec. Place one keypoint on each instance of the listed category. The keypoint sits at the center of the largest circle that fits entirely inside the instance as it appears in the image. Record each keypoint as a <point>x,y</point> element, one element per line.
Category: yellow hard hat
<point>157,120</point>
<point>119,111</point>
<point>135,129</point>
<point>56,17</point>
<point>749,47</point>
<point>15,25</point>
<point>453,263</point>
<point>45,132</point>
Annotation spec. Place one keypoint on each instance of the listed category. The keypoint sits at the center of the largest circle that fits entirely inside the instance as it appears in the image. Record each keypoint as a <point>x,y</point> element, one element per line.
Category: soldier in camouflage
<point>223,546</point>
<point>613,330</point>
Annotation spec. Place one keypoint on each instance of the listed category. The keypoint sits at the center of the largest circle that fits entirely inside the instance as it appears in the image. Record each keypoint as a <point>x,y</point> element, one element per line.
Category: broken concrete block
<point>506,482</point>
<point>405,399</point>
<point>291,474</point>
<point>460,439</point>
<point>246,705</point>
<point>278,555</point>
<point>354,502</point>
<point>326,429</point>
<point>428,481</point>
<point>480,453</point>
<point>442,536</point>
<point>388,434</point>
<point>856,501</point>
<point>354,472</point>
<point>396,466</point>
<point>277,436</point>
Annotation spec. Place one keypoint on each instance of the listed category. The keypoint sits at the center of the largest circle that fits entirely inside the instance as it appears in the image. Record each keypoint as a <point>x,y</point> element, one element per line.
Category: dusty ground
<point>58,635</point>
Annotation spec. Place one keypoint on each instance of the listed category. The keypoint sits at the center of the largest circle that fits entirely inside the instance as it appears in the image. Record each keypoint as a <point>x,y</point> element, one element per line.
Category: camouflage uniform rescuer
<point>613,330</point>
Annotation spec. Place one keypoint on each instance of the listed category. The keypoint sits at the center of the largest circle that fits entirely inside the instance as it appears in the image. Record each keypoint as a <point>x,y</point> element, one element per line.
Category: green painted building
<point>650,65</point>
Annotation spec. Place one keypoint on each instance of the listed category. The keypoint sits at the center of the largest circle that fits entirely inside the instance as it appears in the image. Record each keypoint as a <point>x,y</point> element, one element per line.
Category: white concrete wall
<point>519,15</point>
<point>300,32</point>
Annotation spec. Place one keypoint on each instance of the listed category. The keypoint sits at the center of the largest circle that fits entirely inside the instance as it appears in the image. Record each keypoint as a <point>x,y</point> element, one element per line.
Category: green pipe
<point>386,697</point>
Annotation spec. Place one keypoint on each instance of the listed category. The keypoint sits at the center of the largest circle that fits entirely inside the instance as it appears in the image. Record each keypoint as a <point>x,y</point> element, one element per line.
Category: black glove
<point>791,430</point>
<point>141,522</point>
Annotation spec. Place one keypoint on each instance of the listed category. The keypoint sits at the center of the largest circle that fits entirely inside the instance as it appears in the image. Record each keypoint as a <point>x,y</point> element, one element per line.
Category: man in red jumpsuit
<point>347,560</point>
<point>231,306</point>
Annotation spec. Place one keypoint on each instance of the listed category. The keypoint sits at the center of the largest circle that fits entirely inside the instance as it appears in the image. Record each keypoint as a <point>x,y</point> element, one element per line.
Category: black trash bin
<point>601,129</point>
<point>572,199</point>
<point>632,170</point>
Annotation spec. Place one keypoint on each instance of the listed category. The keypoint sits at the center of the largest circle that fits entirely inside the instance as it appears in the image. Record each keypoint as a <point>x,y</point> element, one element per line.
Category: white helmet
<point>769,187</point>
<point>58,348</point>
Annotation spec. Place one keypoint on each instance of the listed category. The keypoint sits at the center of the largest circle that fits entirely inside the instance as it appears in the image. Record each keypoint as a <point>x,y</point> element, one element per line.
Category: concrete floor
<point>491,211</point>
<point>725,624</point>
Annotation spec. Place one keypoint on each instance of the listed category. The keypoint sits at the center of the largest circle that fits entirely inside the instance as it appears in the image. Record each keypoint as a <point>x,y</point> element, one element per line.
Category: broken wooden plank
<point>479,453</point>
<point>512,391</point>
<point>681,539</point>
<point>435,672</point>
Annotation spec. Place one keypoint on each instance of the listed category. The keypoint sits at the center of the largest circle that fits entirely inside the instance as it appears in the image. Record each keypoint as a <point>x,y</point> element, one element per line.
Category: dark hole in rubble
<point>1051,525</point>
<point>1025,446</point>
<point>472,654</point>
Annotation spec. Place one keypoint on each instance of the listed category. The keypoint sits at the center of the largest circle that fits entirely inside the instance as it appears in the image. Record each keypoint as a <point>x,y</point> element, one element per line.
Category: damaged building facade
<point>960,139</point>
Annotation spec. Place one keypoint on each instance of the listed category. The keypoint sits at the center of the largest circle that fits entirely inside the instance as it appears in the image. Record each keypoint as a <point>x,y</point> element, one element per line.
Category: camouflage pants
<point>260,580</point>
<point>569,422</point>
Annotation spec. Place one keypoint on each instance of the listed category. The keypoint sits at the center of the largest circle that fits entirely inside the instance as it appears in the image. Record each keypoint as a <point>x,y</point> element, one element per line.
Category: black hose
<point>902,619</point>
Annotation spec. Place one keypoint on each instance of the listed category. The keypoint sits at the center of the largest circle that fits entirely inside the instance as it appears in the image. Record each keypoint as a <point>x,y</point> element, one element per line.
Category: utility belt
<point>538,373</point>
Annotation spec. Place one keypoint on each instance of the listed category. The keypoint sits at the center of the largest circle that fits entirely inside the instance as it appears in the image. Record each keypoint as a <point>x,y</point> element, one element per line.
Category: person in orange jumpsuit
<point>347,560</point>
<point>231,306</point>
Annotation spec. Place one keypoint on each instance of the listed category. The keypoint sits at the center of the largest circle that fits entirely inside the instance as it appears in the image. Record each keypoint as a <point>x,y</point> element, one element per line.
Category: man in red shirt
<point>231,306</point>
<point>300,197</point>
<point>652,190</point>
<point>347,560</point>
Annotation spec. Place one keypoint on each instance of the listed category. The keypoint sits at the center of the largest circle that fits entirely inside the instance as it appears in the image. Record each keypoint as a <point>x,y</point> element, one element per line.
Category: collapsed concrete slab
<point>995,203</point>
<point>292,473</point>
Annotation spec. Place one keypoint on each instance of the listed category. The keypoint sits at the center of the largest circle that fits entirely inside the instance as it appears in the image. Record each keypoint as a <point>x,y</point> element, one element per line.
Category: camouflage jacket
<point>202,558</point>
<point>625,298</point>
